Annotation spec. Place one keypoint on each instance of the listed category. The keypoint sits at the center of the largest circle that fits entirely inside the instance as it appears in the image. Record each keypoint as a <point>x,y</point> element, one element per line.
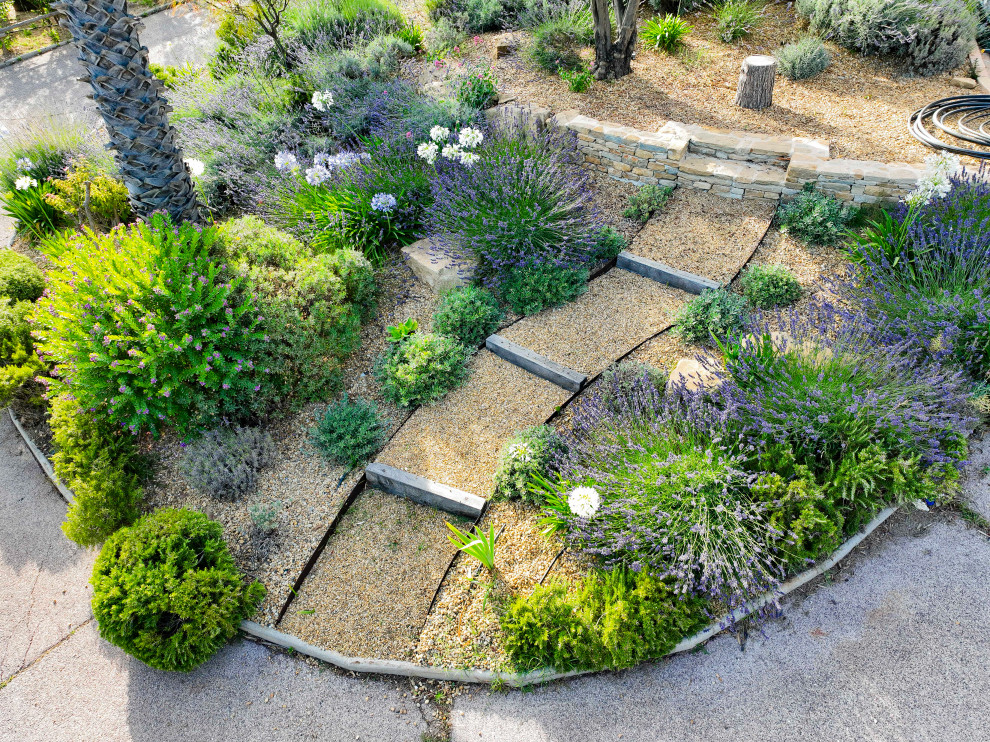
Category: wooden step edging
<point>424,491</point>
<point>536,364</point>
<point>661,273</point>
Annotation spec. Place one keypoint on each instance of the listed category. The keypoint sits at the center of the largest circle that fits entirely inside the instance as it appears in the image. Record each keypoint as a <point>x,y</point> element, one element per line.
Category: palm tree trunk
<point>129,98</point>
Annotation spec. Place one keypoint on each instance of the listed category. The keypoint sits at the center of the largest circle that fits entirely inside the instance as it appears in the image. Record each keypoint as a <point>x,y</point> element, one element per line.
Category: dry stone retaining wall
<point>736,164</point>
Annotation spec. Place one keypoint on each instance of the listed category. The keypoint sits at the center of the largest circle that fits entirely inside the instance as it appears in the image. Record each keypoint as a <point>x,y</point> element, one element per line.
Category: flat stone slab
<point>662,273</point>
<point>422,490</point>
<point>438,271</point>
<point>535,363</point>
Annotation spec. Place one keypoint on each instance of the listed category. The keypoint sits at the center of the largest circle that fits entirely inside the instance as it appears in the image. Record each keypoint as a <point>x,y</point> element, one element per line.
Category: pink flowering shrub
<point>143,329</point>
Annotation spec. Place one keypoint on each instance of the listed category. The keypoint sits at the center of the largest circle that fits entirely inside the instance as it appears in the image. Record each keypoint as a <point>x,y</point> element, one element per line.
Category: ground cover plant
<point>468,314</point>
<point>166,590</point>
<point>716,313</point>
<point>770,286</point>
<point>528,454</point>
<point>349,432</point>
<point>816,217</point>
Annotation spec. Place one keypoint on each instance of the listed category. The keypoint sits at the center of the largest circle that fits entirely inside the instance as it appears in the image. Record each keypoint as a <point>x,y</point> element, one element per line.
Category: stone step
<point>535,363</point>
<point>422,490</point>
<point>664,273</point>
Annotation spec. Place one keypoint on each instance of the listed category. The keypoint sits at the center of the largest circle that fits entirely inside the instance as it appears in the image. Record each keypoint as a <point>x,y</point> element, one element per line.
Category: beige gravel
<point>457,440</point>
<point>369,592</point>
<point>619,310</point>
<point>704,234</point>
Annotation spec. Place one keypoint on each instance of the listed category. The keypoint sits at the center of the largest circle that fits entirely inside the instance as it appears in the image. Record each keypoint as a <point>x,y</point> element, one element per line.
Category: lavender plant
<point>923,273</point>
<point>142,327</point>
<point>225,461</point>
<point>523,204</point>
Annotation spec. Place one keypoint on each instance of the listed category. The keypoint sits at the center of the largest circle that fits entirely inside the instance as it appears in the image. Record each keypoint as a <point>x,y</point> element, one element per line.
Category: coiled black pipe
<point>972,119</point>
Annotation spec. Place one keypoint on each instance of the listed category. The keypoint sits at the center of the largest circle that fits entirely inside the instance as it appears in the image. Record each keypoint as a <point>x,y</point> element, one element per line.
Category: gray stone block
<point>664,273</point>
<point>425,491</point>
<point>536,364</point>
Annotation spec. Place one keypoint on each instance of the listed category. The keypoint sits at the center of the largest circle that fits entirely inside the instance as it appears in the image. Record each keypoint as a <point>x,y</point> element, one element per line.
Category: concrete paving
<point>44,577</point>
<point>976,482</point>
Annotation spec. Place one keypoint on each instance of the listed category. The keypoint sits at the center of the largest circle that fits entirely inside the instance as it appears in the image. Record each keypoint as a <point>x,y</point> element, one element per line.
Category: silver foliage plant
<point>225,461</point>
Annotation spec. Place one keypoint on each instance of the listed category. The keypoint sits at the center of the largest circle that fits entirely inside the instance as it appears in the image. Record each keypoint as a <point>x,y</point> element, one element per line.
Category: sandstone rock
<point>503,46</point>
<point>438,271</point>
<point>966,83</point>
<point>690,375</point>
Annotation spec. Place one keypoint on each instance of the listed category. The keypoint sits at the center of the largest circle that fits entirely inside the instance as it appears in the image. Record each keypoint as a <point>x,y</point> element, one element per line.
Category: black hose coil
<point>974,116</point>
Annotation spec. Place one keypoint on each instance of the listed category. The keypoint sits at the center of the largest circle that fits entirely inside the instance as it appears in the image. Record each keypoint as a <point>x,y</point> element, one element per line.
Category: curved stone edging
<point>410,669</point>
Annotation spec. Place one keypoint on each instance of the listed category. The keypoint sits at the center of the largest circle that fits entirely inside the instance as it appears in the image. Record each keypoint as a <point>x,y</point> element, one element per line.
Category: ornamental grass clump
<point>665,33</point>
<point>167,591</point>
<point>660,487</point>
<point>145,329</point>
<point>523,204</point>
<point>924,271</point>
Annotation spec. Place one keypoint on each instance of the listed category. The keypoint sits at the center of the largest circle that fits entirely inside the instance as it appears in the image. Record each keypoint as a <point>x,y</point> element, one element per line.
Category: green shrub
<point>716,313</point>
<point>27,204</point>
<point>608,244</point>
<point>249,242</point>
<point>815,217</point>
<point>108,197</point>
<point>736,18</point>
<point>170,75</point>
<point>532,289</point>
<point>421,369</point>
<point>578,81</point>
<point>99,463</point>
<point>528,453</point>
<point>20,278</point>
<point>646,201</point>
<point>468,314</point>
<point>167,591</point>
<point>770,286</point>
<point>608,620</point>
<point>666,34</point>
<point>148,329</point>
<point>18,363</point>
<point>478,88</point>
<point>350,432</point>
<point>555,43</point>
<point>339,24</point>
<point>45,148</point>
<point>803,59</point>
<point>225,462</point>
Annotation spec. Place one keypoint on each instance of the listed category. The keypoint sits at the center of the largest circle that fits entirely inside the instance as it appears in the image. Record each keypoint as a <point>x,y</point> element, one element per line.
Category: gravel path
<point>704,234</point>
<point>619,310</point>
<point>976,480</point>
<point>369,592</point>
<point>457,440</point>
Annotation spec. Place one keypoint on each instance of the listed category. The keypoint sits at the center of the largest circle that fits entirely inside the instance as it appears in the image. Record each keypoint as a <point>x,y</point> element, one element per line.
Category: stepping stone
<point>661,273</point>
<point>535,363</point>
<point>422,490</point>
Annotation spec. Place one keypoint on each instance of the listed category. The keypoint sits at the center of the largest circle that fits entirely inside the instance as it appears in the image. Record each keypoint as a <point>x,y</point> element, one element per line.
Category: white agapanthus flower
<point>428,151</point>
<point>469,158</point>
<point>584,501</point>
<point>439,133</point>
<point>196,168</point>
<point>936,180</point>
<point>470,137</point>
<point>24,164</point>
<point>451,152</point>
<point>317,174</point>
<point>25,182</point>
<point>322,100</point>
<point>286,161</point>
<point>519,452</point>
<point>383,202</point>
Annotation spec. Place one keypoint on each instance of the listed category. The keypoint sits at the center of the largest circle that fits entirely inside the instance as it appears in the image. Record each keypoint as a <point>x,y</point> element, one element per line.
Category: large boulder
<point>438,271</point>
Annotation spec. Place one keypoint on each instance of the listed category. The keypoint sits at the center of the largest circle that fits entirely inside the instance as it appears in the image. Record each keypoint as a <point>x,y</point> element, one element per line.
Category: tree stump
<point>755,89</point>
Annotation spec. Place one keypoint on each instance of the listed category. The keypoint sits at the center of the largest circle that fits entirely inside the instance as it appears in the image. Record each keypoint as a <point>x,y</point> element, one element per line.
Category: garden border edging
<point>515,679</point>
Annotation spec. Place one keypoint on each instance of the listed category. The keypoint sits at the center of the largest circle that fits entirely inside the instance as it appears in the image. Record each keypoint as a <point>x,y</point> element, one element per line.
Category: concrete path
<point>45,91</point>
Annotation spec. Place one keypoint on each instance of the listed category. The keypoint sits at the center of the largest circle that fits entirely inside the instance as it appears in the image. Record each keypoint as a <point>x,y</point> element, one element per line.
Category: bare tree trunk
<point>755,89</point>
<point>134,112</point>
<point>613,59</point>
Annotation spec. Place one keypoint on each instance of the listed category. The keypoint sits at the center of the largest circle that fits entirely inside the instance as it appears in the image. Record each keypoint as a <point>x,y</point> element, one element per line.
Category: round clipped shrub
<point>528,453</point>
<point>715,313</point>
<point>770,286</point>
<point>422,368</point>
<point>250,241</point>
<point>167,592</point>
<point>20,279</point>
<point>468,314</point>
<point>350,432</point>
<point>803,59</point>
